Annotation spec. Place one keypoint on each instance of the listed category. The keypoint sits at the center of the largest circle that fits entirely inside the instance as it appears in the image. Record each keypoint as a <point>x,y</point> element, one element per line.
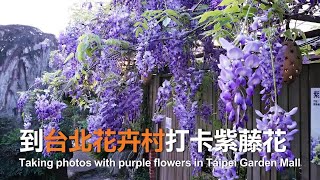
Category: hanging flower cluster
<point>205,112</point>
<point>221,111</point>
<point>266,68</point>
<point>47,128</point>
<point>27,120</point>
<point>272,59</point>
<point>164,94</point>
<point>49,115</point>
<point>149,52</point>
<point>195,156</point>
<point>277,119</point>
<point>23,99</point>
<point>88,70</point>
<point>238,78</point>
<point>48,110</point>
<point>118,106</point>
<point>224,172</point>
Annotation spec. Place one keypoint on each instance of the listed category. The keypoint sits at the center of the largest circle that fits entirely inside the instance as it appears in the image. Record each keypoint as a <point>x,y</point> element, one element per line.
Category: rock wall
<point>24,55</point>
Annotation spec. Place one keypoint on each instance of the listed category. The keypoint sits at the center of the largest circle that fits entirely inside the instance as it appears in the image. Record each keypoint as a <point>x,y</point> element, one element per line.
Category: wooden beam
<point>310,34</point>
<point>302,17</point>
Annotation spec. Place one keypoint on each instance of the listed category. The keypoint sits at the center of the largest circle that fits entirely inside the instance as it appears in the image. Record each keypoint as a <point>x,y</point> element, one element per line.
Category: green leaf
<point>300,33</point>
<point>70,56</point>
<point>171,12</point>
<point>117,42</point>
<point>226,2</point>
<point>288,34</point>
<point>209,24</point>
<point>217,27</point>
<point>202,7</point>
<point>228,25</point>
<point>84,45</point>
<point>137,24</point>
<point>77,76</point>
<point>233,8</point>
<point>81,51</point>
<point>252,11</point>
<point>138,31</point>
<point>176,20</point>
<point>169,104</point>
<point>151,13</point>
<point>145,24</point>
<point>209,14</point>
<point>292,34</point>
<point>317,52</point>
<point>84,72</point>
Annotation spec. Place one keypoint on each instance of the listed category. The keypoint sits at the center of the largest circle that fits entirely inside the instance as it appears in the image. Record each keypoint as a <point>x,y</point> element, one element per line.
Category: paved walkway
<point>86,173</point>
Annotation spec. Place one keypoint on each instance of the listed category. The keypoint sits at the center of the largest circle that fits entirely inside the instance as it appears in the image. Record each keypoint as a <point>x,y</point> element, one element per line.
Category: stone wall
<point>24,56</point>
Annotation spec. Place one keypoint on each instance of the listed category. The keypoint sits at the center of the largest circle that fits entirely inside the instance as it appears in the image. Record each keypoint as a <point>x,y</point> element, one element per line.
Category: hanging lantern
<point>293,62</point>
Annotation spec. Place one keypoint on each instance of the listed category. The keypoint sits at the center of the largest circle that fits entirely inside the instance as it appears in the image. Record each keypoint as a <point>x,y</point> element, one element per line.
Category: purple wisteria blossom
<point>47,128</point>
<point>23,99</point>
<point>163,96</point>
<point>186,115</point>
<point>48,110</point>
<point>149,53</point>
<point>214,4</point>
<point>277,119</point>
<point>164,93</point>
<point>259,20</point>
<point>223,172</point>
<point>107,76</point>
<point>49,114</point>
<point>27,121</point>
<point>195,156</point>
<point>157,118</point>
<point>205,112</point>
<point>238,78</point>
<point>268,54</point>
<point>222,111</point>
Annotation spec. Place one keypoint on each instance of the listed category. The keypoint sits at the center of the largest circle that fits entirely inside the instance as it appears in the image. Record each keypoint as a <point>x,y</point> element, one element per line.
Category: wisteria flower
<point>225,172</point>
<point>22,100</point>
<point>157,118</point>
<point>257,21</point>
<point>164,93</point>
<point>238,73</point>
<point>277,119</point>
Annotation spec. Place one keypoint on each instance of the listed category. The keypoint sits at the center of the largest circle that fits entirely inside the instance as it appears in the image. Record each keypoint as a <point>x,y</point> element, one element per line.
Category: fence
<point>296,94</point>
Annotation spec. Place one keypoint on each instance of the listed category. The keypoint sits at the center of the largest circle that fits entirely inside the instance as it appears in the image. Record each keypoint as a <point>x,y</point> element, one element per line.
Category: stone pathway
<point>99,173</point>
<point>81,156</point>
<point>86,173</point>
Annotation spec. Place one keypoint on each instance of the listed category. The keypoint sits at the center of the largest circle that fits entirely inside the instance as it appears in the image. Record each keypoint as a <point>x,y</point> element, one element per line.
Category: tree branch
<point>196,6</point>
